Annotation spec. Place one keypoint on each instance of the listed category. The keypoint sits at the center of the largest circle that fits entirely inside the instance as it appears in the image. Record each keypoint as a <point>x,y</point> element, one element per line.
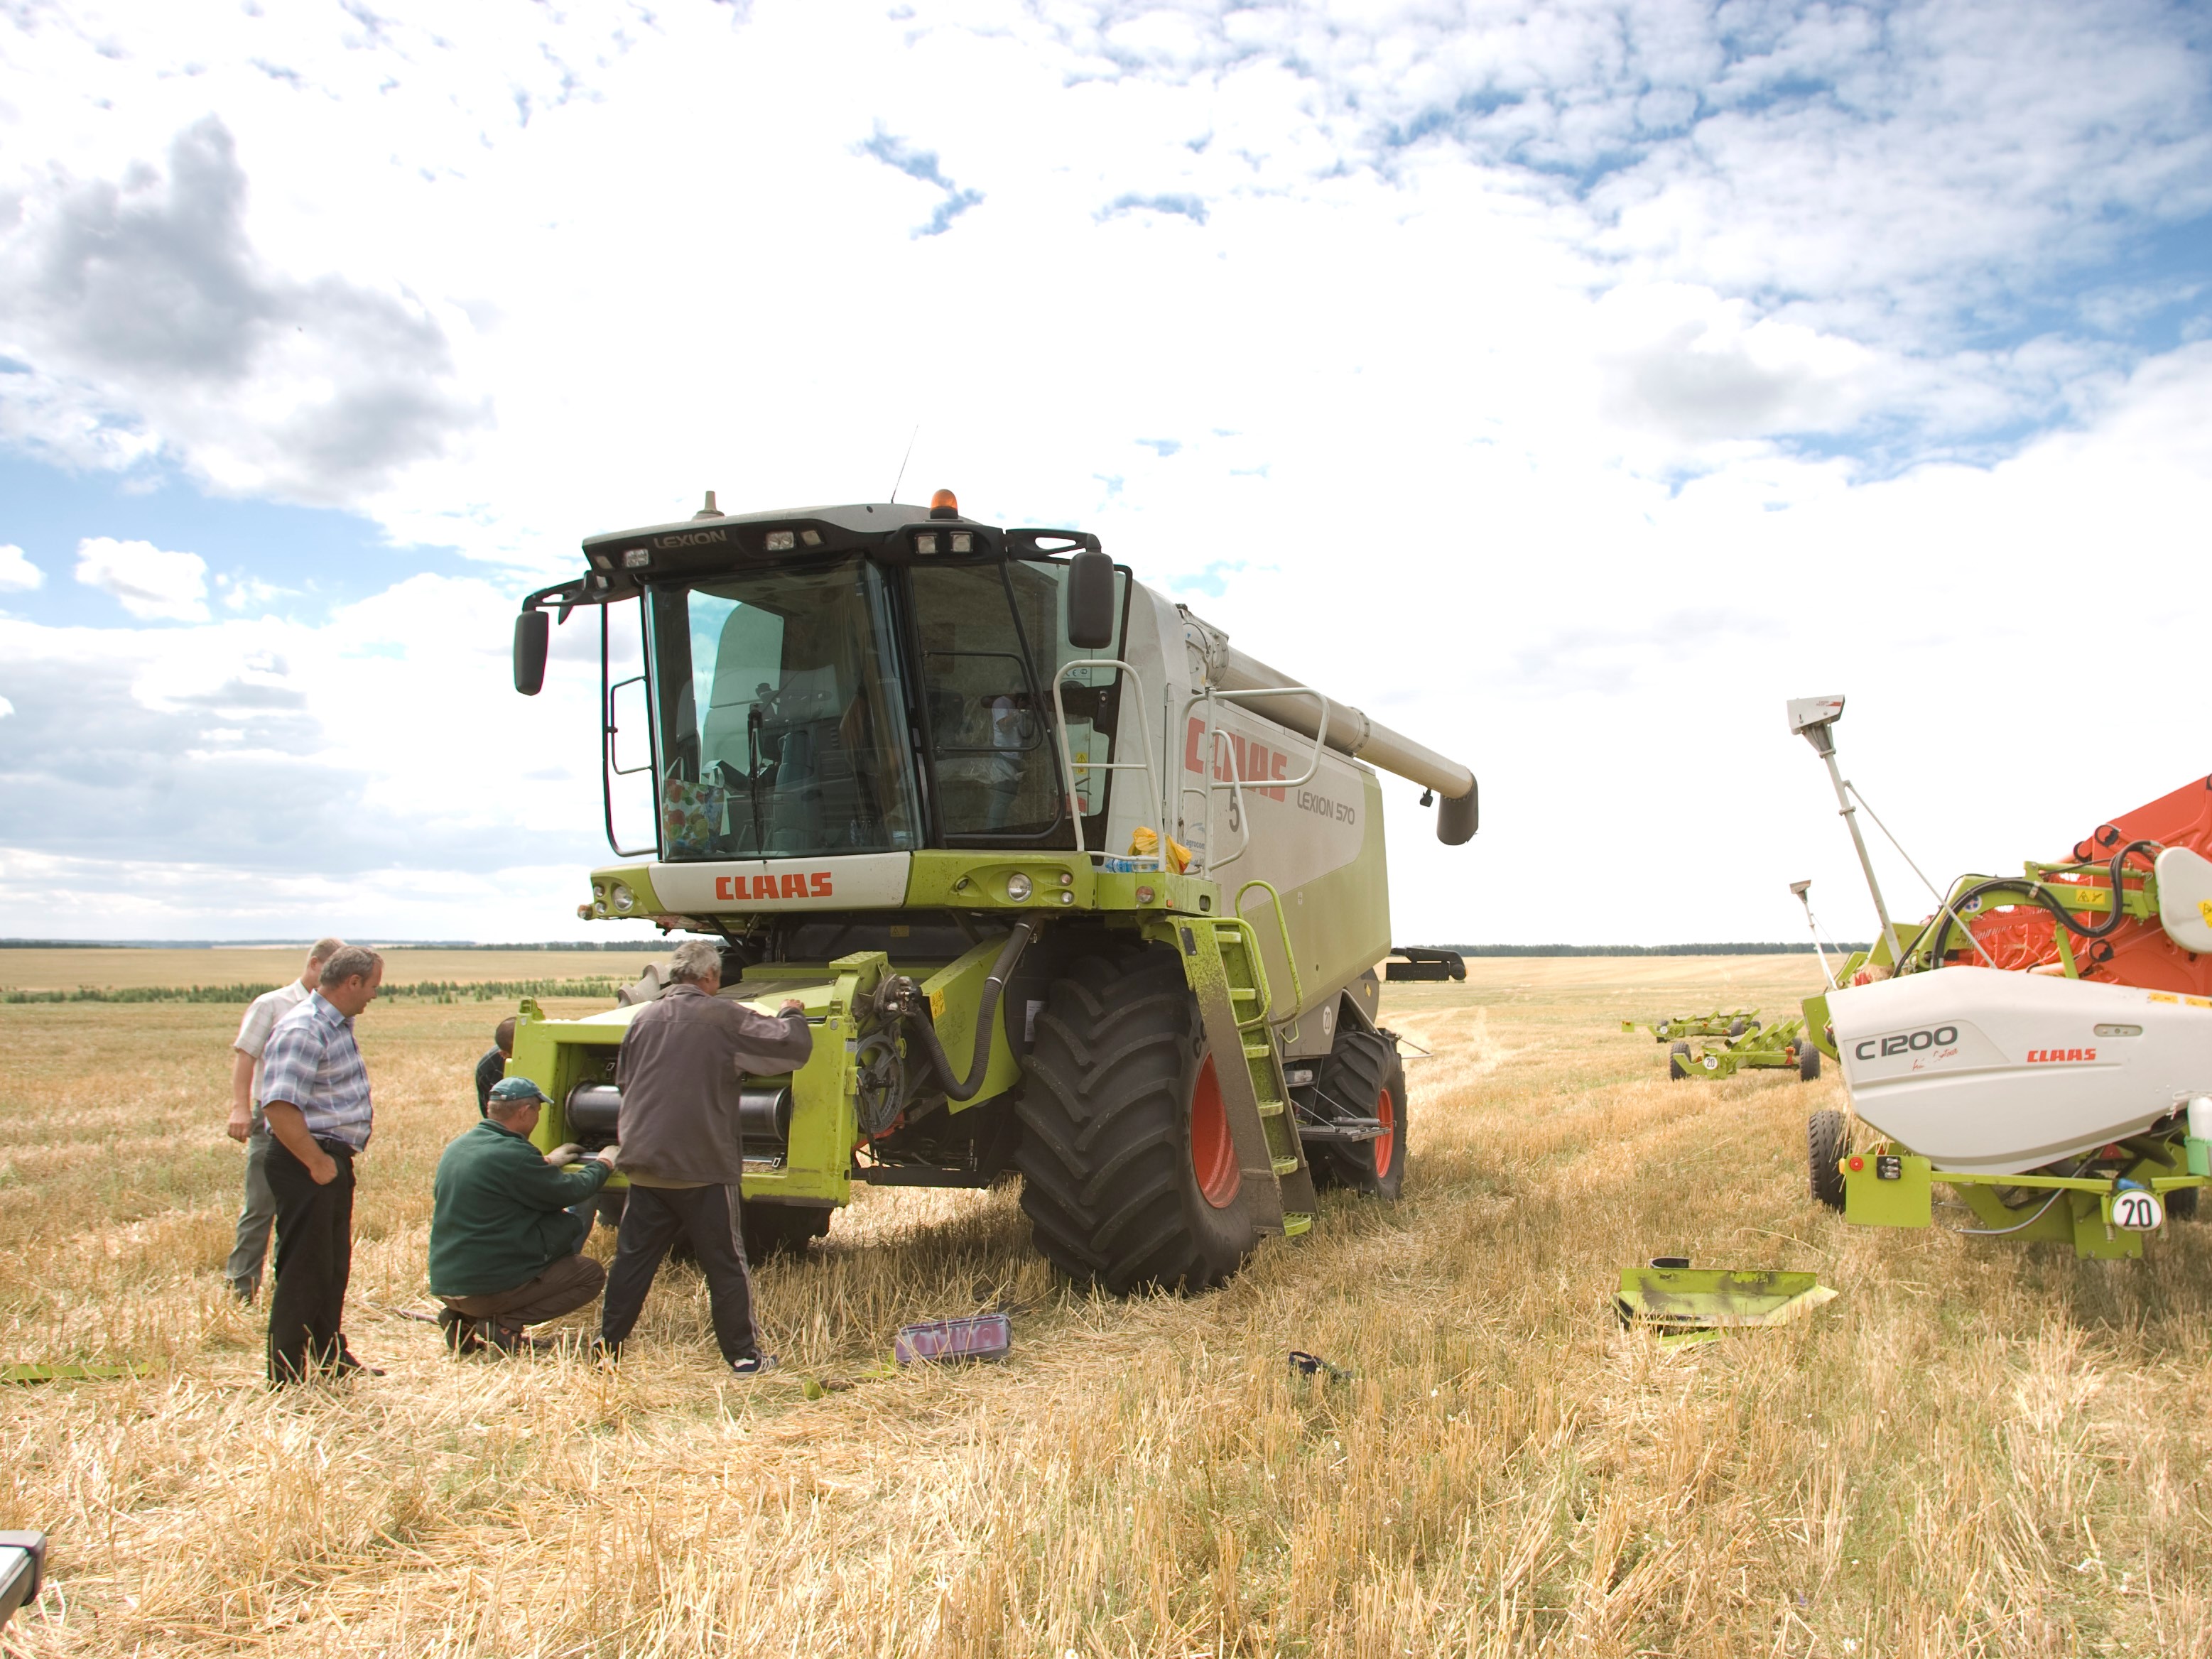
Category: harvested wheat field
<point>1976,1449</point>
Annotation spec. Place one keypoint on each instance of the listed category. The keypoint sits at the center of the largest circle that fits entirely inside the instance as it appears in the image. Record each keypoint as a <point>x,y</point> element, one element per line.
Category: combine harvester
<point>1067,884</point>
<point>2042,1045</point>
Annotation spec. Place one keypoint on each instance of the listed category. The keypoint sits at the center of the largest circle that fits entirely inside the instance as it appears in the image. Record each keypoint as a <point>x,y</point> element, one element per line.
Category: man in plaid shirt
<point>314,1094</point>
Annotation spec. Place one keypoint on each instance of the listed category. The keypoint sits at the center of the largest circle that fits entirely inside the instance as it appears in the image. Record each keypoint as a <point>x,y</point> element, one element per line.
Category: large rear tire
<point>1808,1061</point>
<point>1826,1142</point>
<point>1129,1177</point>
<point>1363,1075</point>
<point>1678,1062</point>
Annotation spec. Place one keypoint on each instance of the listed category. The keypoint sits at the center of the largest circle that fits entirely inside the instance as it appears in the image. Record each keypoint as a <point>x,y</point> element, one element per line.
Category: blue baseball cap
<point>516,1088</point>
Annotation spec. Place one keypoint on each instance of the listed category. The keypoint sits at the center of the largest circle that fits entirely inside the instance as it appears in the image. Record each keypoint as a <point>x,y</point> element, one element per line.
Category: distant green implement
<point>1722,1022</point>
<point>1782,1047</point>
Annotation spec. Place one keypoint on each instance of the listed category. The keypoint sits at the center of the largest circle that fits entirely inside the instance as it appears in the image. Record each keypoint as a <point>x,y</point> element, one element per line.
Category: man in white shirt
<point>246,1123</point>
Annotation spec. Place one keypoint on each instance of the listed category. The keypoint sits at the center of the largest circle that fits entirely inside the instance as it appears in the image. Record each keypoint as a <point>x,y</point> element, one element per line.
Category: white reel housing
<point>2003,1072</point>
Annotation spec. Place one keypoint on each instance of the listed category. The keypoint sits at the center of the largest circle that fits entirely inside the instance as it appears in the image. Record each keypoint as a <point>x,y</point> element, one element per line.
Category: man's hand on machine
<point>567,1152</point>
<point>608,1155</point>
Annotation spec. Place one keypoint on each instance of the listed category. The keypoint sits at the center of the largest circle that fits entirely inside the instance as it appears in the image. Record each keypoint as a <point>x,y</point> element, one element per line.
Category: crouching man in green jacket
<point>503,1246</point>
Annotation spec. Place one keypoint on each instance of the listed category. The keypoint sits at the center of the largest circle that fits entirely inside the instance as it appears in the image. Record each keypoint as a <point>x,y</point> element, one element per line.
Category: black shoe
<point>463,1334</point>
<point>602,1351</point>
<point>511,1339</point>
<point>754,1364</point>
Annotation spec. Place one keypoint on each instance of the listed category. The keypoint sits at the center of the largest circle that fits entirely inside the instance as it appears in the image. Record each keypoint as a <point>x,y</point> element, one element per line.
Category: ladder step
<point>1271,1108</point>
<point>1284,1165</point>
<point>1259,1050</point>
<point>1296,1222</point>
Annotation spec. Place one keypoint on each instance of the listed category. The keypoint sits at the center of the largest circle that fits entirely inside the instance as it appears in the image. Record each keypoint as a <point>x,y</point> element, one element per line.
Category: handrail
<point>1289,951</point>
<point>1067,754</point>
<point>607,770</point>
<point>1234,785</point>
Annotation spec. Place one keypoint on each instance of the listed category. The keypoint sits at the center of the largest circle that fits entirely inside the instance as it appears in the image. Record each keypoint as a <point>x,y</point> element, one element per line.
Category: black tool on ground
<point>1312,1364</point>
<point>23,1570</point>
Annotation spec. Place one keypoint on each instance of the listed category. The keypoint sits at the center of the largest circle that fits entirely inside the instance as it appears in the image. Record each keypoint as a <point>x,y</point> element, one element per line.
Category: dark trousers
<point>654,1219</point>
<point>565,1286</point>
<point>314,1259</point>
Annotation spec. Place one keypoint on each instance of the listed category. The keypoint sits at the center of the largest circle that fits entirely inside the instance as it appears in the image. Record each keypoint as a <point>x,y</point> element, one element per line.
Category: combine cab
<point>1069,887</point>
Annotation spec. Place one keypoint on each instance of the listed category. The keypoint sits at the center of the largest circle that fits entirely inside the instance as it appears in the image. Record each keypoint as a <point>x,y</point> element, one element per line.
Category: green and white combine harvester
<point>1069,887</point>
<point>2041,1046</point>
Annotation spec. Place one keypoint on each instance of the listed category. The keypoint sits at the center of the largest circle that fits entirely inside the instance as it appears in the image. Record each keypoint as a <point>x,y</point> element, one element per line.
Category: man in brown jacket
<point>682,1064</point>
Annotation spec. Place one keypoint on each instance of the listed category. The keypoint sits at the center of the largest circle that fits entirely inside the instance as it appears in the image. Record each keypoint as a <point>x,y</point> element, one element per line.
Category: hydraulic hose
<point>2037,894</point>
<point>986,1013</point>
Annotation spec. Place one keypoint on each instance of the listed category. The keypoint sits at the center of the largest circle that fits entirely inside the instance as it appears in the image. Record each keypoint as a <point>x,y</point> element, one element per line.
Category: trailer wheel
<point>1824,1138</point>
<point>1678,1062</point>
<point>1129,1176</point>
<point>774,1230</point>
<point>1808,1061</point>
<point>1737,1028</point>
<point>1364,1075</point>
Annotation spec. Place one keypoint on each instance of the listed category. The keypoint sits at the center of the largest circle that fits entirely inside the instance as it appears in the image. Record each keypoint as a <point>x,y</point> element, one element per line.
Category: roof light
<point>943,505</point>
<point>637,558</point>
<point>962,541</point>
<point>925,542</point>
<point>809,538</point>
<point>781,541</point>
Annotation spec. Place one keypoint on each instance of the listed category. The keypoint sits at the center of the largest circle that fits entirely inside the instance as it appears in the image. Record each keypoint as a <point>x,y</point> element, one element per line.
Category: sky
<point>1567,386</point>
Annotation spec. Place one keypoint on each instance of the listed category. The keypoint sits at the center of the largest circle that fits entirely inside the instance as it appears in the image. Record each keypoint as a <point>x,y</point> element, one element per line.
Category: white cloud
<point>1566,384</point>
<point>148,581</point>
<point>17,574</point>
<point>6,708</point>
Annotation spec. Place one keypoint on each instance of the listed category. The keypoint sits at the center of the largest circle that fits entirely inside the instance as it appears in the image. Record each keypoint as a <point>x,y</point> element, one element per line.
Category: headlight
<point>624,898</point>
<point>1018,887</point>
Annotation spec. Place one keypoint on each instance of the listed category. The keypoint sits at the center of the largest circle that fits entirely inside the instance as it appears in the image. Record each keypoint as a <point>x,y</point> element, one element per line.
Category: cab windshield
<point>780,733</point>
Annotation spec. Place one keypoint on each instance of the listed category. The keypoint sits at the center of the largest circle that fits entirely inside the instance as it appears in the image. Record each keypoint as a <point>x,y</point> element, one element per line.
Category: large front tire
<point>1129,1176</point>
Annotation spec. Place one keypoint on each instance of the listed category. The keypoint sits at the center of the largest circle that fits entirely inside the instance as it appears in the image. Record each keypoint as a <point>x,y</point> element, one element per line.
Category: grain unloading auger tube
<point>1069,888</point>
<point>2041,1045</point>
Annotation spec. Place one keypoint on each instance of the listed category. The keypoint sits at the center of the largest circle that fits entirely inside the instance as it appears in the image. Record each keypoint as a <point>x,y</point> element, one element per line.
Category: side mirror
<point>1457,817</point>
<point>1091,617</point>
<point>533,632</point>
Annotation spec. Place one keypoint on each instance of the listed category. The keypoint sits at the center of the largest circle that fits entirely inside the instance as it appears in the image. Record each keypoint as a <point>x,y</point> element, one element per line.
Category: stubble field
<point>1974,1449</point>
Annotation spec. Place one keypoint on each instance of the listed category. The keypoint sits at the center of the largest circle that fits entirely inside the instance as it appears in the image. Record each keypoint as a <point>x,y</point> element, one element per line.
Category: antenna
<point>903,459</point>
<point>1814,719</point>
<point>1803,889</point>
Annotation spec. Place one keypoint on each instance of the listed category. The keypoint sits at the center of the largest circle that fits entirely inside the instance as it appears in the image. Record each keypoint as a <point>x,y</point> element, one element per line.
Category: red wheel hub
<point>1213,1153</point>
<point>1386,1114</point>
